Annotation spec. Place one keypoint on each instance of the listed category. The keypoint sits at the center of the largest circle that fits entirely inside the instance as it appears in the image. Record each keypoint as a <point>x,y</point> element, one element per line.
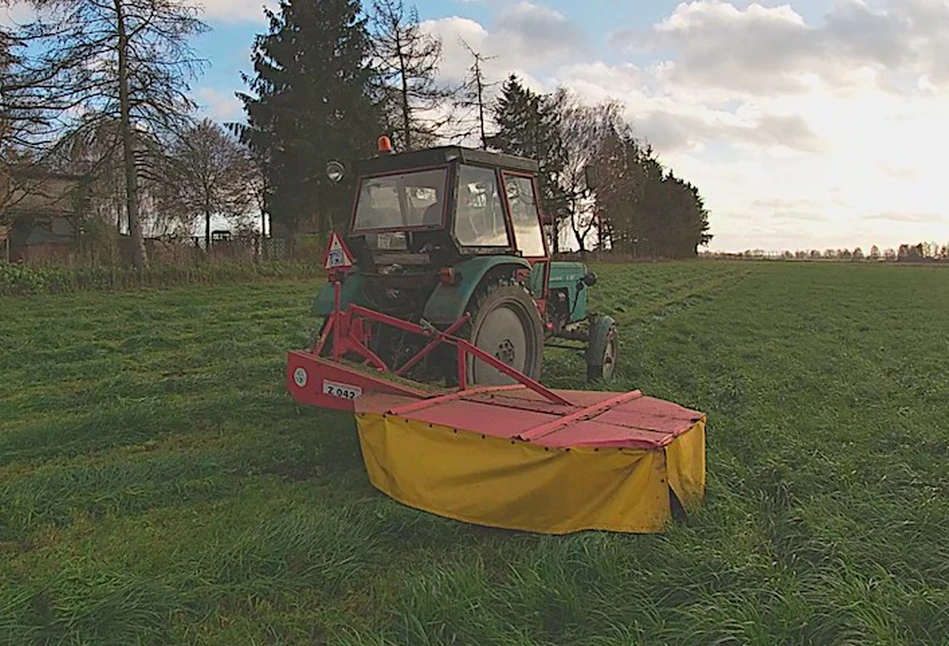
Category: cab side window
<point>525,216</point>
<point>479,214</point>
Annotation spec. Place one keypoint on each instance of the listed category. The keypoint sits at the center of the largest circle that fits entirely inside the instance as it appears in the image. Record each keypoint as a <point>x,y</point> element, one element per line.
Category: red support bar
<point>458,394</point>
<point>337,314</point>
<point>464,348</point>
<point>330,324</point>
<point>582,414</point>
<point>359,310</point>
<point>356,345</point>
<point>462,368</point>
<point>502,367</point>
<point>432,345</point>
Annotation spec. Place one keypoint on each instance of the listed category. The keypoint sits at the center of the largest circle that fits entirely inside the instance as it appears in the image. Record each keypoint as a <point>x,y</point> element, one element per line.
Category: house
<point>40,211</point>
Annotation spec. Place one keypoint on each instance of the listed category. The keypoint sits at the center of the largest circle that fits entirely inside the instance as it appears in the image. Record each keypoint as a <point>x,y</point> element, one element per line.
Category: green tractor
<point>454,239</point>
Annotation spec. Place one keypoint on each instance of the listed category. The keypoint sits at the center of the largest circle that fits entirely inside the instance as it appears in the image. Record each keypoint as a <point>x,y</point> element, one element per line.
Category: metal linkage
<point>350,336</point>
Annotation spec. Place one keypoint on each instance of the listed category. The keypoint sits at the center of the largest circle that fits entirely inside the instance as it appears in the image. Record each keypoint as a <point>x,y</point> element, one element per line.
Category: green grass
<point>20,280</point>
<point>157,485</point>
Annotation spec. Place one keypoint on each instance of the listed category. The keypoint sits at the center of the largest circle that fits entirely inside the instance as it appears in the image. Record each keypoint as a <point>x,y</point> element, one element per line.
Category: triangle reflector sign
<point>337,254</point>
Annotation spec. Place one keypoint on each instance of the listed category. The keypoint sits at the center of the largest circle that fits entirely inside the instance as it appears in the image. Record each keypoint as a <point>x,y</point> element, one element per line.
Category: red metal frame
<point>350,336</point>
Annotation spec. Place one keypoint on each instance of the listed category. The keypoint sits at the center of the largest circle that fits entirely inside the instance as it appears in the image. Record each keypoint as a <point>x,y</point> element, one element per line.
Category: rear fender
<point>351,292</point>
<point>448,302</point>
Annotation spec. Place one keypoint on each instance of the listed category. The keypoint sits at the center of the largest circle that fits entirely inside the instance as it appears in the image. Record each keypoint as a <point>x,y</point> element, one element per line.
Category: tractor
<point>441,297</point>
<point>455,239</point>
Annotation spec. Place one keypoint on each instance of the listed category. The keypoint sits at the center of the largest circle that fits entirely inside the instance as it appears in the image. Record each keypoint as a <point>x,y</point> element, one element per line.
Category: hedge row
<point>20,280</point>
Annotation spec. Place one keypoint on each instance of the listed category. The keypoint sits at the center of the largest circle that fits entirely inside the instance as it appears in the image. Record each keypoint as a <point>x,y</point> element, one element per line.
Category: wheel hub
<point>502,335</point>
<point>506,352</point>
<point>609,360</point>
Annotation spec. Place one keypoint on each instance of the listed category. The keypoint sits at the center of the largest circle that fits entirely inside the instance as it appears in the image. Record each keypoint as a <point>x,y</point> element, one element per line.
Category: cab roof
<point>389,162</point>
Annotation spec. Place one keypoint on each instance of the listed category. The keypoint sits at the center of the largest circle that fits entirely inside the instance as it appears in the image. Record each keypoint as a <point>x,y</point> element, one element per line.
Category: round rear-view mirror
<point>335,171</point>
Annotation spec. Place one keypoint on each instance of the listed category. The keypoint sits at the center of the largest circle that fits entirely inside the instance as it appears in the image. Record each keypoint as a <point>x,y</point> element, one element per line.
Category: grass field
<point>158,486</point>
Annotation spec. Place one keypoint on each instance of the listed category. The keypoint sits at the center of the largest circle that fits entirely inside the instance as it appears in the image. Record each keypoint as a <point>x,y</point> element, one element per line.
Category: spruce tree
<point>312,100</point>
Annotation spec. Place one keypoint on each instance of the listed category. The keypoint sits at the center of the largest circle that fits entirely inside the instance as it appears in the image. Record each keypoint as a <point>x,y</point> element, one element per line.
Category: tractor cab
<point>443,205</point>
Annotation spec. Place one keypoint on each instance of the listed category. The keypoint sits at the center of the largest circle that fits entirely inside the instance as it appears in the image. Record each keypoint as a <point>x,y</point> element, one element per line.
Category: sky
<point>804,123</point>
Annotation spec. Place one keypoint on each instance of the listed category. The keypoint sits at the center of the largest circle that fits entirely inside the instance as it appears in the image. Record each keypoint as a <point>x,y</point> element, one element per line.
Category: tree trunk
<point>128,143</point>
<point>406,123</point>
<point>484,137</point>
<point>207,231</point>
<point>555,243</point>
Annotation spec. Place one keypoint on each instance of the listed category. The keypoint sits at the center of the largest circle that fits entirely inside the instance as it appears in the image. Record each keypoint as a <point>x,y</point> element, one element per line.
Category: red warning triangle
<point>337,254</point>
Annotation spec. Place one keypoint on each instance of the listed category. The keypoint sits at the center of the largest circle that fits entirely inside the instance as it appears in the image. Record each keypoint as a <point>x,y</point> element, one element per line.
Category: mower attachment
<point>519,456</point>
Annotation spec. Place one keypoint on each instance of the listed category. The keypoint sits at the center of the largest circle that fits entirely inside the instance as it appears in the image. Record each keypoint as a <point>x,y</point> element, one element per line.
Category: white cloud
<point>799,134</point>
<point>16,13</point>
<point>220,106</point>
<point>774,50</point>
<point>235,10</point>
<point>524,37</point>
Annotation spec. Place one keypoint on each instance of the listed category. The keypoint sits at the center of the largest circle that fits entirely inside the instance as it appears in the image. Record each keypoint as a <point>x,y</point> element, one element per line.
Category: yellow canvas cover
<point>519,485</point>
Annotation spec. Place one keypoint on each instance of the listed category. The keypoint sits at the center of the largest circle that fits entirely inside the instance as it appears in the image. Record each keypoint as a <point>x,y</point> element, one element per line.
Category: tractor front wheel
<point>507,325</point>
<point>602,351</point>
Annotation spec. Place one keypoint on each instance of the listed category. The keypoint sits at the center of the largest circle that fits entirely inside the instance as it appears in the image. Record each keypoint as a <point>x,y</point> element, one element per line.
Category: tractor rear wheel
<point>507,325</point>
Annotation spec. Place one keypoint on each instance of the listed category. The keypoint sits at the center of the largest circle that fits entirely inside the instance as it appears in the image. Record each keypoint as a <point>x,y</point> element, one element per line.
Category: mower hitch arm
<point>464,348</point>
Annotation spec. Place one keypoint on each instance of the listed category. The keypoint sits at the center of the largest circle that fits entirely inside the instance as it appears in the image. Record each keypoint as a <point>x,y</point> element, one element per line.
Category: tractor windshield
<point>401,201</point>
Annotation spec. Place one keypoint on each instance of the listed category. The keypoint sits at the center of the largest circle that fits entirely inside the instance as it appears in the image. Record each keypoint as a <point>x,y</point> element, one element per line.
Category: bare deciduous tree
<point>127,60</point>
<point>585,131</point>
<point>408,60</point>
<point>211,174</point>
<point>473,92</point>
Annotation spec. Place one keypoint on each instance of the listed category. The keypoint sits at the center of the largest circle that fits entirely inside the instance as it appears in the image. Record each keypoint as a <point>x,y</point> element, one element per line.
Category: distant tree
<point>815,254</point>
<point>858,254</point>
<point>210,173</point>
<point>910,253</point>
<point>890,255</point>
<point>844,254</point>
<point>123,60</point>
<point>586,132</point>
<point>621,173</point>
<point>473,96</point>
<point>875,253</point>
<point>417,104</point>
<point>312,99</point>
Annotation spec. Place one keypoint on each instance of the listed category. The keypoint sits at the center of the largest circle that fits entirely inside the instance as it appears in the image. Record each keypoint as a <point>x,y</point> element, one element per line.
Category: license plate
<point>342,391</point>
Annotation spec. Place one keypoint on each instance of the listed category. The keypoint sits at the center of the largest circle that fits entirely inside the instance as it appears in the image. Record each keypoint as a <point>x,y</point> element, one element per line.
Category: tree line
<point>906,252</point>
<point>103,90</point>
